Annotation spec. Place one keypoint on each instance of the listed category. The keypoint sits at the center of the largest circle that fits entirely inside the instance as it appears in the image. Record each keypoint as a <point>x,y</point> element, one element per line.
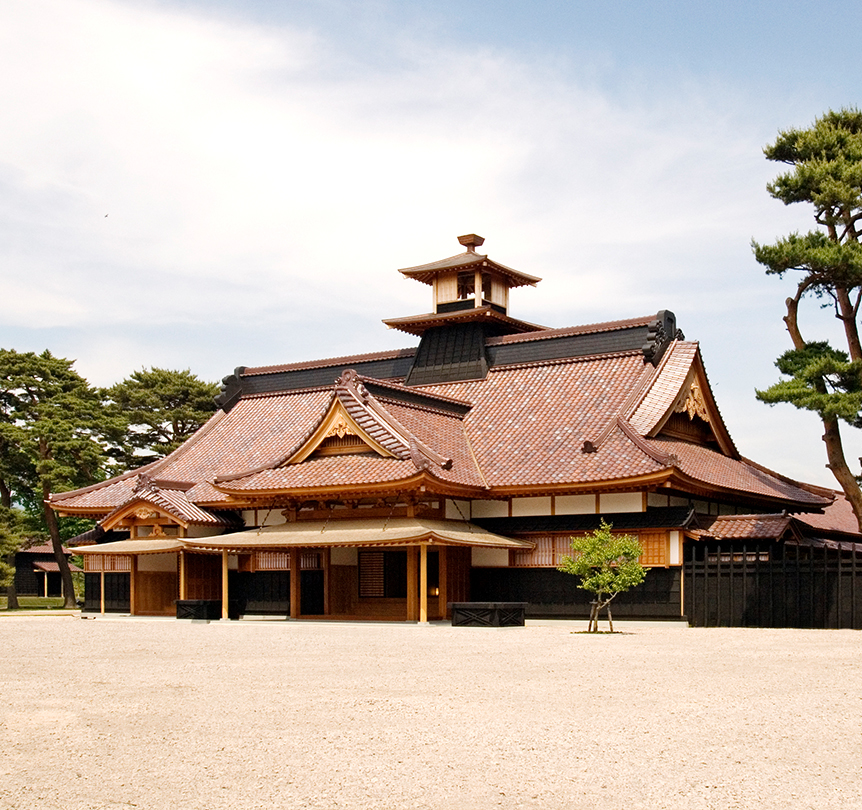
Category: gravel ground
<point>129,712</point>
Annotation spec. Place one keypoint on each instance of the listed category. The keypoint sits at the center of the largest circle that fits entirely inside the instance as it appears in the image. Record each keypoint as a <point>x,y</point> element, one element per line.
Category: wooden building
<point>388,485</point>
<point>37,572</point>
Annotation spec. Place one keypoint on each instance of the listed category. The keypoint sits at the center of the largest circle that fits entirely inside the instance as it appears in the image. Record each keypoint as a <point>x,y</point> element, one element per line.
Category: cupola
<point>467,287</point>
<point>470,304</point>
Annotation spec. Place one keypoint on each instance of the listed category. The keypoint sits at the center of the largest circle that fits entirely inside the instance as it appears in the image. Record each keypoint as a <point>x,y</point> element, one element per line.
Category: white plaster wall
<point>675,557</point>
<point>157,562</point>
<point>452,512</point>
<point>489,509</point>
<point>249,519</point>
<point>621,502</point>
<point>531,506</point>
<point>491,557</point>
<point>575,504</point>
<point>656,499</point>
<point>270,518</point>
<point>344,556</point>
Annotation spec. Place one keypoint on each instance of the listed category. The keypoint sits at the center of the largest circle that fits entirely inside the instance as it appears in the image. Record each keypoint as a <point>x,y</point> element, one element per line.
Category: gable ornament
<point>693,404</point>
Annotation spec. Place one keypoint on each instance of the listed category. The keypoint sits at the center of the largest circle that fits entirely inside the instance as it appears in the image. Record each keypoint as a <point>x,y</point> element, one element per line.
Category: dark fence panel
<point>551,593</point>
<point>773,586</point>
<point>117,593</point>
<point>264,592</point>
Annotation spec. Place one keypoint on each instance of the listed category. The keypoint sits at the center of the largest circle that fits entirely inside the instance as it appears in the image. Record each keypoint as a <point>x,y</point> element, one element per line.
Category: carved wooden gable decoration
<point>356,422</point>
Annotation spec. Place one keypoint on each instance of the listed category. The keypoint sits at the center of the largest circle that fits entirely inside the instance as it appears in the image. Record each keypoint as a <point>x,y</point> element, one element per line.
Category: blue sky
<point>208,184</point>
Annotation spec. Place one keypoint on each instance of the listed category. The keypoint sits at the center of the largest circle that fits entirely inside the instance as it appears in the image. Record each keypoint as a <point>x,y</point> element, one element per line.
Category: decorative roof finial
<point>471,241</point>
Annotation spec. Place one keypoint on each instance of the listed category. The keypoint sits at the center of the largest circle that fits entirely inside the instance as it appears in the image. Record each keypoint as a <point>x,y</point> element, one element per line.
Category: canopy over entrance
<point>320,533</point>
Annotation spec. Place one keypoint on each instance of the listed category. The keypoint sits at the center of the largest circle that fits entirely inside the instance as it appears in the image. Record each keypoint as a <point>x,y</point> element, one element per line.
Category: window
<point>383,574</point>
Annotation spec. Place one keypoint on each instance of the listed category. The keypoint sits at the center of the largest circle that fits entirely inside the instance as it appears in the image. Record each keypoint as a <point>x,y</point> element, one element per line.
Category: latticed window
<point>94,563</point>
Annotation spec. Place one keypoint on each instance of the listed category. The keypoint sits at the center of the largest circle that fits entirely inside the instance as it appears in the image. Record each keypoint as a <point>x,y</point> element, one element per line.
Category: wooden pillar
<point>412,585</point>
<point>224,594</point>
<point>477,285</point>
<point>442,577</point>
<point>45,584</point>
<point>133,570</point>
<point>182,573</point>
<point>102,587</point>
<point>423,584</point>
<point>294,583</point>
<point>327,561</point>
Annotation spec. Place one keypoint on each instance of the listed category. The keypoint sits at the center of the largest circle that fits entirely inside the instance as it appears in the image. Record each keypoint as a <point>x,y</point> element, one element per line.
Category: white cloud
<point>260,191</point>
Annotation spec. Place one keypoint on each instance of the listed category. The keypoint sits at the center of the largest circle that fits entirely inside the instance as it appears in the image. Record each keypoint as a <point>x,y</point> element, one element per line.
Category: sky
<point>207,184</point>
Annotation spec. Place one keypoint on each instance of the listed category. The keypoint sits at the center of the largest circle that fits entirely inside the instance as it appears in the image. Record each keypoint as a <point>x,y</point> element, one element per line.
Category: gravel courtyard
<point>122,712</point>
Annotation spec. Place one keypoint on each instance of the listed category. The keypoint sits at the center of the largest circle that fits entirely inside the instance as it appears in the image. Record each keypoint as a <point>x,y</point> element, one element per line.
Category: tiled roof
<point>52,567</point>
<point>837,517</point>
<point>746,527</point>
<point>174,502</point>
<point>521,429</point>
<point>712,468</point>
<point>41,548</point>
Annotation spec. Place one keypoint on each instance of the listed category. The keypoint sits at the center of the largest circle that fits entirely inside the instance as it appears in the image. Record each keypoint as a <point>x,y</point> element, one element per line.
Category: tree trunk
<point>848,318</point>
<point>11,593</point>
<point>69,600</point>
<point>610,618</point>
<point>832,434</point>
<point>838,465</point>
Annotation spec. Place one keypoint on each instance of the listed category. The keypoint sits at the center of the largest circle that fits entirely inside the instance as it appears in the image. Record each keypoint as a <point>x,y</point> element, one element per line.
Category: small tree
<point>607,565</point>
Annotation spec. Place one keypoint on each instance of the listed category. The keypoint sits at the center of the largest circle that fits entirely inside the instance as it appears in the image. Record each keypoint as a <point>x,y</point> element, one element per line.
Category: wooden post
<point>423,584</point>
<point>294,583</point>
<point>327,561</point>
<point>182,572</point>
<point>412,595</point>
<point>224,594</point>
<point>442,576</point>
<point>45,584</point>
<point>102,587</point>
<point>133,570</point>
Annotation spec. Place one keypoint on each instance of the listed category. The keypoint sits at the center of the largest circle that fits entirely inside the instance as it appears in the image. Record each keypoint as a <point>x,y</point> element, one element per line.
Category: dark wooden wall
<point>773,586</point>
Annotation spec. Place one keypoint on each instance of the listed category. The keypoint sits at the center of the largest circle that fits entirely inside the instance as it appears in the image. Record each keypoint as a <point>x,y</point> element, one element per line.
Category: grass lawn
<point>36,602</point>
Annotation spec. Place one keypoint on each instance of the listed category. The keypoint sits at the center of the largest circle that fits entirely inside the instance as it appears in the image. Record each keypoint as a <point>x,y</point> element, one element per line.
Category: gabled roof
<point>149,497</point>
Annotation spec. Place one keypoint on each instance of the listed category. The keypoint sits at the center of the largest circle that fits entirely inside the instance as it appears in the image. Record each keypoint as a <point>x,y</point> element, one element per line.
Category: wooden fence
<point>773,585</point>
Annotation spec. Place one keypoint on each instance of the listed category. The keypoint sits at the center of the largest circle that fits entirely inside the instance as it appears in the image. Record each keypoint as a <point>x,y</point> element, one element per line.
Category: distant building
<point>387,485</point>
<point>37,572</point>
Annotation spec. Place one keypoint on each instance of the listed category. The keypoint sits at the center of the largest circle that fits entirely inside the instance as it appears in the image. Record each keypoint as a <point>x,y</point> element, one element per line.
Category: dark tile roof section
<point>394,367</point>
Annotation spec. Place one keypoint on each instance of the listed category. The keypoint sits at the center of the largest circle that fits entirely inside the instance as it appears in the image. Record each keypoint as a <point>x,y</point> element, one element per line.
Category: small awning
<point>52,567</point>
<point>320,533</point>
<point>141,546</point>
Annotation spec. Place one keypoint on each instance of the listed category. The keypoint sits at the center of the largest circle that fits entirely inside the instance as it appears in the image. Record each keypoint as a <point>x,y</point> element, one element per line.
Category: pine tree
<point>54,432</point>
<point>826,172</point>
<point>163,408</point>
